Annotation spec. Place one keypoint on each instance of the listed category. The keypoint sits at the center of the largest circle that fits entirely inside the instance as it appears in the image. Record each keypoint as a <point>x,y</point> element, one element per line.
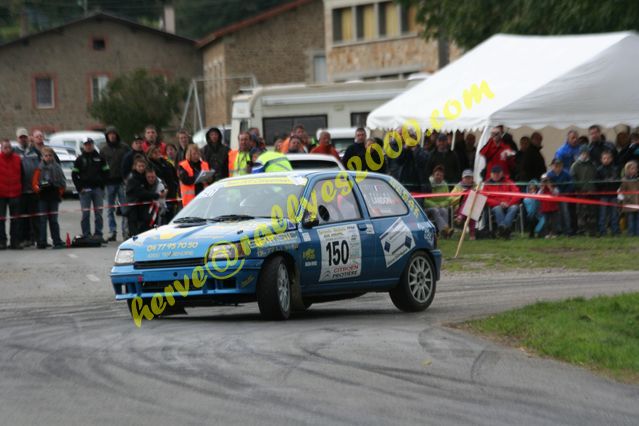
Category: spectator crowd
<point>148,180</point>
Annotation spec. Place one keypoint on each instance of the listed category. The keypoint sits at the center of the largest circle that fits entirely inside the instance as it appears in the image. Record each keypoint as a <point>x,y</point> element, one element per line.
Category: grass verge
<point>573,253</point>
<point>601,334</point>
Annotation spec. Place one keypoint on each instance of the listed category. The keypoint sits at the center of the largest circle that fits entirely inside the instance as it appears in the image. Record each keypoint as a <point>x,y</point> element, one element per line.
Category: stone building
<point>48,79</point>
<point>281,45</point>
<point>368,39</point>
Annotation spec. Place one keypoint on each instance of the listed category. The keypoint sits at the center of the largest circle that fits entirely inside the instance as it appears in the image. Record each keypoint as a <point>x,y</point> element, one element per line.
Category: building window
<point>409,19</point>
<point>98,85</point>
<point>388,19</point>
<point>342,24</point>
<point>99,44</point>
<point>365,22</point>
<point>319,69</point>
<point>44,92</point>
<point>358,119</point>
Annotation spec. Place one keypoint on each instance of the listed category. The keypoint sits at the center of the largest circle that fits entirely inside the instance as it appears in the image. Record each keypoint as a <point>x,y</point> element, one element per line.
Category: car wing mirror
<point>309,220</point>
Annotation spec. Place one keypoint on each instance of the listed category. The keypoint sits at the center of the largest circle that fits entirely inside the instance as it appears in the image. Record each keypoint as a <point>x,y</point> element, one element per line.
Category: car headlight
<point>124,257</point>
<point>227,252</point>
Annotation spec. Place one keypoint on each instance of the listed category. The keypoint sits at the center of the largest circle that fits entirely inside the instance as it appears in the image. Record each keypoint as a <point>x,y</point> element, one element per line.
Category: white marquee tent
<point>537,81</point>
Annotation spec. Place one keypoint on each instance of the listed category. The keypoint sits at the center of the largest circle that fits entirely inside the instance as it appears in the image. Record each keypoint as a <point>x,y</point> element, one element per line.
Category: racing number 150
<point>337,252</point>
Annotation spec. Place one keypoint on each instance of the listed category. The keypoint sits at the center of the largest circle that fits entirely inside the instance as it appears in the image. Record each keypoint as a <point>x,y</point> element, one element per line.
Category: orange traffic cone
<point>68,240</point>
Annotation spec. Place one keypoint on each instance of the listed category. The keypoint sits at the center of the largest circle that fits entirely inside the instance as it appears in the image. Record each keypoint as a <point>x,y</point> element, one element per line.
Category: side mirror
<point>309,220</point>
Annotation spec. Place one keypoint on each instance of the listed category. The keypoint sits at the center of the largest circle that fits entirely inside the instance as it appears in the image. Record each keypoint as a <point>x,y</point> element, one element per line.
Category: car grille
<point>169,263</point>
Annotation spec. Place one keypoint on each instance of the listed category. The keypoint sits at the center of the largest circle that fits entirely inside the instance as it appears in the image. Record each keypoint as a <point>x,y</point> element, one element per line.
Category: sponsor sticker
<point>396,242</point>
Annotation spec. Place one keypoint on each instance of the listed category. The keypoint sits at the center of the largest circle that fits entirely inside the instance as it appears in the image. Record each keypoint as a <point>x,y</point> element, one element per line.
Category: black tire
<point>416,289</point>
<point>274,290</point>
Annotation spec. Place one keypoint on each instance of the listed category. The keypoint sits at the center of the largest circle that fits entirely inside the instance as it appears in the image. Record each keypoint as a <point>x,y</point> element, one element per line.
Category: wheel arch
<point>294,275</point>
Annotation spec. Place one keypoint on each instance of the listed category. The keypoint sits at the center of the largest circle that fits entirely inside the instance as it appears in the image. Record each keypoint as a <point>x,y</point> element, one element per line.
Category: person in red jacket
<point>498,153</point>
<point>325,146</point>
<point>10,191</point>
<point>503,206</point>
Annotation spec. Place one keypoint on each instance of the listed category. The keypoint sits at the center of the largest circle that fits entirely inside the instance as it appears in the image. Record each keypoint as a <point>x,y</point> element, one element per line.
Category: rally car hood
<point>175,241</point>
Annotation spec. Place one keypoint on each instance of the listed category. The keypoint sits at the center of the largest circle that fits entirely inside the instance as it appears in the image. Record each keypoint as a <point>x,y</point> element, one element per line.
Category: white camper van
<point>275,109</point>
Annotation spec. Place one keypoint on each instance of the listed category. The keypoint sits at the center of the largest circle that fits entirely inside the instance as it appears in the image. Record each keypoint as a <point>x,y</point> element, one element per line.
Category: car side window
<point>335,204</point>
<point>381,199</point>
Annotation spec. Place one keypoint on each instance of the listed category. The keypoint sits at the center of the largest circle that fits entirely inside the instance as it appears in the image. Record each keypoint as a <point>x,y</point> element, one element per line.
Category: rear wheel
<point>416,289</point>
<point>274,290</point>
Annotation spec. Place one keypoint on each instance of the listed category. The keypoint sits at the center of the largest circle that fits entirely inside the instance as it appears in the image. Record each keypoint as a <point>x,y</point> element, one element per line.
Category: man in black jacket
<point>216,154</point>
<point>443,156</point>
<point>90,174</point>
<point>113,152</point>
<point>532,163</point>
<point>135,151</point>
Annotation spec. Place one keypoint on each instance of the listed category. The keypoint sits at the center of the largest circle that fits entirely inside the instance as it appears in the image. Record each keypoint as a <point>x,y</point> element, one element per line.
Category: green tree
<point>469,22</point>
<point>136,99</point>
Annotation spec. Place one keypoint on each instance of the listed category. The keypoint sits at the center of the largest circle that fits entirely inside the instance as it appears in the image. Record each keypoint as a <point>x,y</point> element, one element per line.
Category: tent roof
<point>537,81</point>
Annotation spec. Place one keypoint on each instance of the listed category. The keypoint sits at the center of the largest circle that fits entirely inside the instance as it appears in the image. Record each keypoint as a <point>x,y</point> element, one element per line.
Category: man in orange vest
<point>188,172</point>
<point>240,161</point>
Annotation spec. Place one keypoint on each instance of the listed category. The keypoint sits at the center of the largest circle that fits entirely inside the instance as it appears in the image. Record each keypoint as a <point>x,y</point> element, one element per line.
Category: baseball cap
<point>583,148</point>
<point>21,132</point>
<point>467,172</point>
<point>496,169</point>
<point>87,140</point>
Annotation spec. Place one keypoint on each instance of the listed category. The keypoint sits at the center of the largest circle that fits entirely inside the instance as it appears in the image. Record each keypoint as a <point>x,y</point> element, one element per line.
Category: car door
<point>337,253</point>
<point>392,225</point>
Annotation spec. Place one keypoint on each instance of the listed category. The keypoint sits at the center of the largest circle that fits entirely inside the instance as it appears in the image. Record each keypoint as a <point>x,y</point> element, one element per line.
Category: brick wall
<point>68,56</point>
<point>278,50</point>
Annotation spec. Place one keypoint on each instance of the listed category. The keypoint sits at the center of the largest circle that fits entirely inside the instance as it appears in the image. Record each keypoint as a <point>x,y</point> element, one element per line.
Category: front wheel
<point>416,289</point>
<point>274,290</point>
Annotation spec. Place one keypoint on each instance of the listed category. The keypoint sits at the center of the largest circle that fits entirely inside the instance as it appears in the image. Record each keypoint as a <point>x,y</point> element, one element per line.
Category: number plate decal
<point>341,252</point>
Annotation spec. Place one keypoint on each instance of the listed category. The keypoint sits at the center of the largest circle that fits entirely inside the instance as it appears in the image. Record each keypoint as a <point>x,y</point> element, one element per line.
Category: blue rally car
<point>285,240</point>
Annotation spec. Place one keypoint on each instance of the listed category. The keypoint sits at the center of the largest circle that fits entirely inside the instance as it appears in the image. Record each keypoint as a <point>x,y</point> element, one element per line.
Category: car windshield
<point>241,199</point>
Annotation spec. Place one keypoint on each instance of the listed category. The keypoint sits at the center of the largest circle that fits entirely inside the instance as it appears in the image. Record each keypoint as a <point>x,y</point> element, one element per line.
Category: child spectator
<point>583,173</point>
<point>630,183</point>
<point>157,207</point>
<point>437,207</point>
<point>549,209</point>
<point>463,187</point>
<point>562,182</point>
<point>608,183</point>
<point>534,219</point>
<point>49,183</point>
<point>137,191</point>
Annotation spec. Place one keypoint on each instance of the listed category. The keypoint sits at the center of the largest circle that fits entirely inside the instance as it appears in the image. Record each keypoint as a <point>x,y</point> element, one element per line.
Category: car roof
<point>314,157</point>
<point>76,134</point>
<point>307,173</point>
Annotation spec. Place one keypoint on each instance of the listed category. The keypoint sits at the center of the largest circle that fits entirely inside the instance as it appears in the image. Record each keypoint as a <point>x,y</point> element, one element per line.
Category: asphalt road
<point>70,355</point>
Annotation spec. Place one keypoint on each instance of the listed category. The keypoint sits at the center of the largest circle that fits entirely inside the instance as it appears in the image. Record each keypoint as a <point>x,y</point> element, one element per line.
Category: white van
<point>73,139</point>
<point>275,109</point>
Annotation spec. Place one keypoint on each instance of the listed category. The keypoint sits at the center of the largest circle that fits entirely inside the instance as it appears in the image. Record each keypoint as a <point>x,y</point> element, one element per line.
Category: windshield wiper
<point>231,217</point>
<point>189,219</point>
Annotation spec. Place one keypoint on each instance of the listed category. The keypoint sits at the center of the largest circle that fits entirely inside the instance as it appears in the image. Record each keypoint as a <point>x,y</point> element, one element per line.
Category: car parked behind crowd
<point>66,161</point>
<point>74,139</point>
